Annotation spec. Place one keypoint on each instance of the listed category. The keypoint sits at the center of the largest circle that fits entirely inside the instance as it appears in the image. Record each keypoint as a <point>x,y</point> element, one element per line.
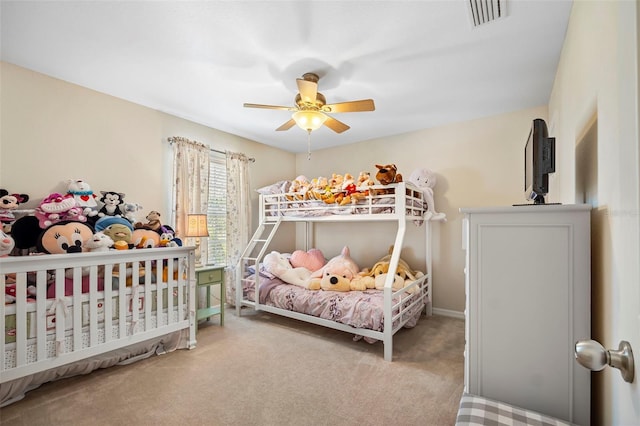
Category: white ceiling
<point>423,62</point>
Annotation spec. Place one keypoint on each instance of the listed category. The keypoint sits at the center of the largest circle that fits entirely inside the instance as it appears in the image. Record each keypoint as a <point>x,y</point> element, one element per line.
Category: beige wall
<point>595,106</point>
<point>478,163</point>
<point>53,131</point>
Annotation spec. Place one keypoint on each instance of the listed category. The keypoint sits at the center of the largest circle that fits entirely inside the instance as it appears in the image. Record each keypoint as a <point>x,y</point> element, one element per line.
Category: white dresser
<point>528,300</point>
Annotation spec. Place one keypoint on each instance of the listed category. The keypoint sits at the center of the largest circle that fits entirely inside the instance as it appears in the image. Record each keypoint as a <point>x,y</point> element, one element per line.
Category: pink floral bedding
<point>360,309</point>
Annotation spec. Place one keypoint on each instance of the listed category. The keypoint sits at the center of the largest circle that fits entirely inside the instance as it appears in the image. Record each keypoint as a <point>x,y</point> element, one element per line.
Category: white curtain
<point>191,185</point>
<point>238,218</point>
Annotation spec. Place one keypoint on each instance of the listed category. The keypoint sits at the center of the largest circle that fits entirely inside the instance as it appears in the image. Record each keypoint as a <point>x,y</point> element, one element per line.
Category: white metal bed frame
<point>407,205</point>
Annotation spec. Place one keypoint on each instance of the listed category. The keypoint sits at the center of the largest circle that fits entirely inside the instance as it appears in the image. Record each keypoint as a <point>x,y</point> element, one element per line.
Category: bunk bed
<point>73,313</point>
<point>386,311</point>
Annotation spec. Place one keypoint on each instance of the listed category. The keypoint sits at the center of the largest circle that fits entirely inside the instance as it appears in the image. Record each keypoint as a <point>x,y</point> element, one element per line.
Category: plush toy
<point>99,242</point>
<point>25,232</point>
<point>321,190</point>
<point>9,203</point>
<point>6,244</point>
<point>364,180</point>
<point>425,179</point>
<point>56,208</point>
<point>312,260</point>
<point>337,273</point>
<point>277,264</point>
<point>112,201</point>
<point>68,237</point>
<point>84,196</point>
<point>119,229</point>
<point>336,182</point>
<point>168,237</point>
<point>145,238</point>
<point>380,270</point>
<point>153,222</point>
<point>130,211</point>
<point>350,192</point>
<point>299,189</point>
<point>388,174</point>
<point>64,237</point>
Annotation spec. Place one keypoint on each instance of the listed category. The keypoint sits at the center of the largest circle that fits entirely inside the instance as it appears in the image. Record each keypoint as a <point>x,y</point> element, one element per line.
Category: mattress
<point>359,309</point>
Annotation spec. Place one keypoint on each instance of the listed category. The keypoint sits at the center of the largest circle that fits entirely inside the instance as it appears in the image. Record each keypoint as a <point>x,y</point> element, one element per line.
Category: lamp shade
<point>309,120</point>
<point>197,225</point>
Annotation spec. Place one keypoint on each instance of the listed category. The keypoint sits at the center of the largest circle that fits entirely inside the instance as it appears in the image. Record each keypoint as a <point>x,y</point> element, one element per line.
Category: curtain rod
<point>251,159</point>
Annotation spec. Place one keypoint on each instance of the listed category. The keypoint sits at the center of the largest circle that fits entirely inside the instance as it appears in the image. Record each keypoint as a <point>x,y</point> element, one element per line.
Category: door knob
<point>594,356</point>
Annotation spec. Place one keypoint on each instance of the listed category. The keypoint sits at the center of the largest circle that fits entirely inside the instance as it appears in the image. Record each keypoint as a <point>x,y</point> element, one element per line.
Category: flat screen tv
<point>539,162</point>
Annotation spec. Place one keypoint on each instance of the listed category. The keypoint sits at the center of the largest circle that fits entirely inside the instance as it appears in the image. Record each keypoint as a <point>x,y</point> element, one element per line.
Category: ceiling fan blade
<point>308,90</point>
<point>352,106</point>
<point>286,126</point>
<point>270,107</point>
<point>336,125</point>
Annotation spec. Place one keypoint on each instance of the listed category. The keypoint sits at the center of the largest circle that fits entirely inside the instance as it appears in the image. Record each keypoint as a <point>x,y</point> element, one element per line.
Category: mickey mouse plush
<point>9,203</point>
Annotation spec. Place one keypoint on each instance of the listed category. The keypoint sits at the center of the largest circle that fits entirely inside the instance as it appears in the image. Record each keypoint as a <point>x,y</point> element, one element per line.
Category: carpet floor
<point>262,369</point>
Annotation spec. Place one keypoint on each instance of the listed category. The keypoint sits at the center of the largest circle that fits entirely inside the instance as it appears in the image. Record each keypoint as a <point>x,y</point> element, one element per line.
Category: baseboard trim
<point>448,313</point>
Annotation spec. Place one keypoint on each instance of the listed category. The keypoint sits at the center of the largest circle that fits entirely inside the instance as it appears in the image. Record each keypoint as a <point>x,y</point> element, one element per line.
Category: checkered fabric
<point>476,410</point>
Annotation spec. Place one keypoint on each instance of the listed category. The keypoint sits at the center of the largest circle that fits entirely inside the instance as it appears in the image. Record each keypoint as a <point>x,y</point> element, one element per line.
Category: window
<point>217,210</point>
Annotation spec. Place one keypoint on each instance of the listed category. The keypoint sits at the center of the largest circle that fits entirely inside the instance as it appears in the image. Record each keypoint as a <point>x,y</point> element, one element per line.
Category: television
<point>539,162</point>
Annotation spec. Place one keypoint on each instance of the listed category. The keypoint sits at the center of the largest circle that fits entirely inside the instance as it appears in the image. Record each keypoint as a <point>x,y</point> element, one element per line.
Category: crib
<point>75,312</point>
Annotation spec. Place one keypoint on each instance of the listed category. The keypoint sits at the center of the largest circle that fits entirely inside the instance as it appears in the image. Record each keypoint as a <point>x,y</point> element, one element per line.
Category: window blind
<point>217,210</point>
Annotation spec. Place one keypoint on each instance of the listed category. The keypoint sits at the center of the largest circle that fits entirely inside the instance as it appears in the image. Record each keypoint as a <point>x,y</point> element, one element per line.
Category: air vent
<point>485,11</point>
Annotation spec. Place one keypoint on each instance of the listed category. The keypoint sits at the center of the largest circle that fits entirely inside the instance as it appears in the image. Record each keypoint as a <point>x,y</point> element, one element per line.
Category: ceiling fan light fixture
<point>309,120</point>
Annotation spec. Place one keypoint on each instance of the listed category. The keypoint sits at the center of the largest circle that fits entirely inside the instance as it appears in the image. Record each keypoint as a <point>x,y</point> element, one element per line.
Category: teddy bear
<point>84,196</point>
<point>350,191</point>
<point>8,204</point>
<point>425,180</point>
<point>336,274</point>
<point>299,189</point>
<point>321,190</point>
<point>364,180</point>
<point>278,265</point>
<point>153,222</point>
<point>404,274</point>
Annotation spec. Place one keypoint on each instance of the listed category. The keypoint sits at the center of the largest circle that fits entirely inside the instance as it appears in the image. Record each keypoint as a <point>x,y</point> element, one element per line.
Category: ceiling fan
<point>311,109</point>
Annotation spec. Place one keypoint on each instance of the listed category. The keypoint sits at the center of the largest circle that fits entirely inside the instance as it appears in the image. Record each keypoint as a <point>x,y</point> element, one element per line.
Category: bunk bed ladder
<point>253,254</point>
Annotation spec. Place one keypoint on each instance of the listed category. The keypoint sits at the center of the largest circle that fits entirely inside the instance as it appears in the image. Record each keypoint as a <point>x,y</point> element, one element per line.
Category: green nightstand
<point>206,277</point>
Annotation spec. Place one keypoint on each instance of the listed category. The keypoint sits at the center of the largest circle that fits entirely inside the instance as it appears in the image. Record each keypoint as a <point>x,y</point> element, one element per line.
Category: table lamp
<point>197,227</point>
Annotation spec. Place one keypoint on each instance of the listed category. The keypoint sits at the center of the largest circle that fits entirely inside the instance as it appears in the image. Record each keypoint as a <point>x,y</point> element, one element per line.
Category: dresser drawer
<point>209,276</point>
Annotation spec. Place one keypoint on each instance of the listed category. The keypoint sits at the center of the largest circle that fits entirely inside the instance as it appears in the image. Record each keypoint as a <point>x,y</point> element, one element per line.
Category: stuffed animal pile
<point>106,215</point>
<point>341,273</point>
<point>338,189</point>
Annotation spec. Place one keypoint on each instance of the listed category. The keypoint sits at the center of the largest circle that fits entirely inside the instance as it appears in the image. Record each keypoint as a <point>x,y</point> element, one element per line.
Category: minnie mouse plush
<point>9,203</point>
